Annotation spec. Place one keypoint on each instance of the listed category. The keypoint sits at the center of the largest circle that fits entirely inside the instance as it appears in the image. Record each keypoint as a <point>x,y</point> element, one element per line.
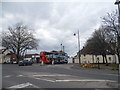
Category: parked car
<point>25,62</point>
<point>13,62</point>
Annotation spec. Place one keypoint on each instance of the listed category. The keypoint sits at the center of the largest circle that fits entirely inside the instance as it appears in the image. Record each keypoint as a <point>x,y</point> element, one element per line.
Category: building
<point>90,58</point>
<point>95,57</point>
<point>34,57</point>
<point>5,56</point>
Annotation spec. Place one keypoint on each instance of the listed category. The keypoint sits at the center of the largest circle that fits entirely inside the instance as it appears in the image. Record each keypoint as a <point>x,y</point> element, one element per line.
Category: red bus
<point>50,57</point>
<point>45,57</point>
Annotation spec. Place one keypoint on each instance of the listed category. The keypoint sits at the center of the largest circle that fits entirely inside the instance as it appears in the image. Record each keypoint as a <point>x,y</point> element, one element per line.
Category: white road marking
<point>112,74</point>
<point>7,76</point>
<point>19,75</point>
<point>45,80</point>
<point>23,85</point>
<point>87,80</point>
<point>51,75</point>
<point>75,80</point>
<point>67,80</point>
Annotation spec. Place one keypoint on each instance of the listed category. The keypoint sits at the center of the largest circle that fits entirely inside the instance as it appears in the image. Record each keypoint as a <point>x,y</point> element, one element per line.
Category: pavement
<point>57,76</point>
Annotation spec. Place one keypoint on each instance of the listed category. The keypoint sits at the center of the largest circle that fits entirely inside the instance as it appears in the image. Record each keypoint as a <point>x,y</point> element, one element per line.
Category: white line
<point>111,74</point>
<point>75,80</point>
<point>19,75</point>
<point>51,75</point>
<point>7,76</point>
<point>45,80</point>
<point>35,86</point>
<point>21,85</point>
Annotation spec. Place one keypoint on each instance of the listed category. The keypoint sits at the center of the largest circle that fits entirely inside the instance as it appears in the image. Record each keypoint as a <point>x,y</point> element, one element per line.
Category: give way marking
<point>23,85</point>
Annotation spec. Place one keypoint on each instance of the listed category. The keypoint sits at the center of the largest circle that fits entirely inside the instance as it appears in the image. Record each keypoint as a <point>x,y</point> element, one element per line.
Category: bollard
<point>42,63</point>
<point>53,62</point>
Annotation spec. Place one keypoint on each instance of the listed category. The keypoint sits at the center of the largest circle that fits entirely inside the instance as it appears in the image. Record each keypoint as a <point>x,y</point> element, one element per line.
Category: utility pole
<point>61,46</point>
<point>78,47</point>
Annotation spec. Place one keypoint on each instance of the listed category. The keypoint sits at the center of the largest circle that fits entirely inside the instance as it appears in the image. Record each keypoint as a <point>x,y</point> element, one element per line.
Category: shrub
<point>115,68</point>
<point>88,65</point>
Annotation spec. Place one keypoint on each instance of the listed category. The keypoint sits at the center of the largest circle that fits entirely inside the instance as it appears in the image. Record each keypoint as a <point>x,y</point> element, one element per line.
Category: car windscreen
<point>47,53</point>
<point>25,60</point>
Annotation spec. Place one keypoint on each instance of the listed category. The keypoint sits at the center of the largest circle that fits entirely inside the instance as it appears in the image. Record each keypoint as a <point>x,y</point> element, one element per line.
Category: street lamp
<point>61,46</point>
<point>78,46</point>
<point>118,3</point>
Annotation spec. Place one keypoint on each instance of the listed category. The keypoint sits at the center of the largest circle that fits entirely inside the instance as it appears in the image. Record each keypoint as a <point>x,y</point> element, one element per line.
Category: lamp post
<point>118,3</point>
<point>61,46</point>
<point>78,46</point>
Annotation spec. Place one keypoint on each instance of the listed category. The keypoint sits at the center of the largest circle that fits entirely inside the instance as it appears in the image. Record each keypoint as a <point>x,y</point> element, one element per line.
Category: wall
<point>94,59</point>
<point>6,59</point>
<point>70,60</point>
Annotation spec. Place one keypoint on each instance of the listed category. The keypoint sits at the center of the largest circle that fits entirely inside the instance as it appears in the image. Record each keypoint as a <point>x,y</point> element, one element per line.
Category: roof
<point>30,55</point>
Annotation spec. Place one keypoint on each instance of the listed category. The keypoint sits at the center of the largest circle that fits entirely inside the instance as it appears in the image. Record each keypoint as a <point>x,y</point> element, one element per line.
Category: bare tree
<point>112,28</point>
<point>19,39</point>
<point>97,44</point>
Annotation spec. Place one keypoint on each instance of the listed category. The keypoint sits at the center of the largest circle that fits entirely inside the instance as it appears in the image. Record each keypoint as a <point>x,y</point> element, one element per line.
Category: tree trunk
<point>18,54</point>
<point>17,58</point>
<point>118,58</point>
<point>106,60</point>
<point>93,58</point>
<point>103,59</point>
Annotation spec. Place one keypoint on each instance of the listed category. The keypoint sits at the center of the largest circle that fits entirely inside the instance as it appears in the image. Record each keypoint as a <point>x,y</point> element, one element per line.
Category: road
<point>56,76</point>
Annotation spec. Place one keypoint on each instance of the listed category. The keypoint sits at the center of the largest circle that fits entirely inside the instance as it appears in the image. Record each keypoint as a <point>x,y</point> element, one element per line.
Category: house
<point>95,57</point>
<point>90,58</point>
<point>5,56</point>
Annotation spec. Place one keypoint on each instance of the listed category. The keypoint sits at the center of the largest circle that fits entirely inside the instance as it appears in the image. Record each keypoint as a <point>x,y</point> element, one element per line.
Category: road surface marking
<point>23,85</point>
<point>7,76</point>
<point>45,79</point>
<point>75,80</point>
<point>19,75</point>
<point>88,80</point>
<point>111,74</point>
<point>51,75</point>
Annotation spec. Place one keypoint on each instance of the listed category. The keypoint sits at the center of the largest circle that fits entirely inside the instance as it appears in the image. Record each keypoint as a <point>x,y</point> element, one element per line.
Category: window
<point>109,58</point>
<point>97,58</point>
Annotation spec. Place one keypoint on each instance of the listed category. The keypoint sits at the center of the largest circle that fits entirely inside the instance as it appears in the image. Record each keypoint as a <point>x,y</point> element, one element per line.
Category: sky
<point>55,21</point>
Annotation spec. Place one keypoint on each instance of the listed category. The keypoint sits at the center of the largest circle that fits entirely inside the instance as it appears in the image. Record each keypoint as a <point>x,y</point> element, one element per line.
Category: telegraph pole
<point>78,47</point>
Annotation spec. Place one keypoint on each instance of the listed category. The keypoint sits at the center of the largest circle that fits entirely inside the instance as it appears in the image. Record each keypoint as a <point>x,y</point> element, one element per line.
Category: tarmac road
<point>57,76</point>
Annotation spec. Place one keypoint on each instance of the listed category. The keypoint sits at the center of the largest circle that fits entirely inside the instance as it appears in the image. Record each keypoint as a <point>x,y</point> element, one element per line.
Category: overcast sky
<point>56,22</point>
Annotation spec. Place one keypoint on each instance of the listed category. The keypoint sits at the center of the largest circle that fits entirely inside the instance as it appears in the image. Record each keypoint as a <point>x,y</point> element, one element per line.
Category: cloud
<point>56,1</point>
<point>54,23</point>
